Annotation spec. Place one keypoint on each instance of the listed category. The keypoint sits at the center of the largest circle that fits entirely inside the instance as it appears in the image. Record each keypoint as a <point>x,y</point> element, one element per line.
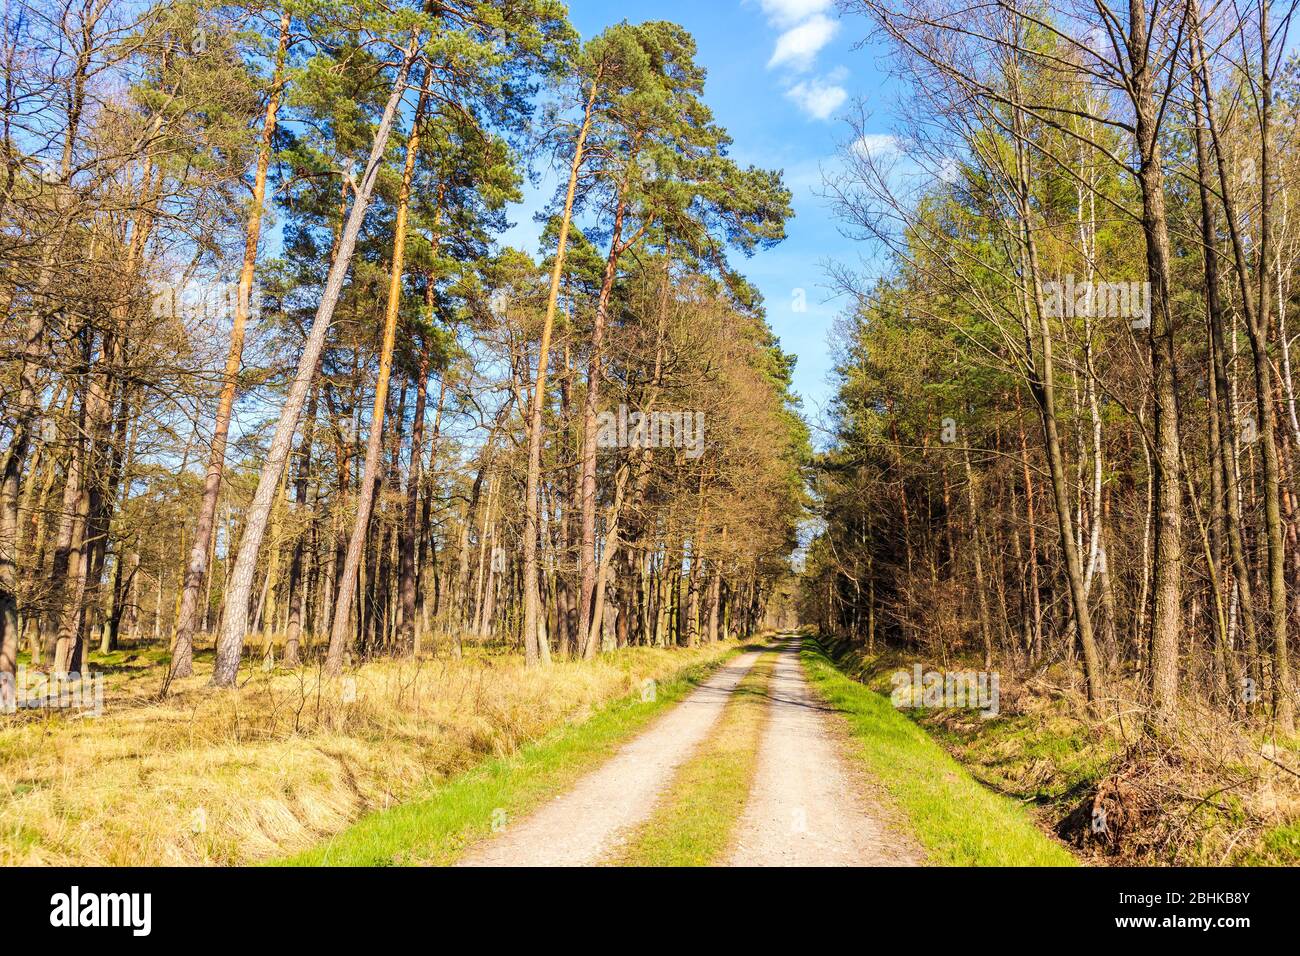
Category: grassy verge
<point>1212,792</point>
<point>693,823</point>
<point>436,828</point>
<point>959,822</point>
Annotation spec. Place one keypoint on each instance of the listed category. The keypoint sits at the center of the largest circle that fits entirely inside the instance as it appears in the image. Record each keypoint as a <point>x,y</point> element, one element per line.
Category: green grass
<point>693,823</point>
<point>438,828</point>
<point>1279,846</point>
<point>956,820</point>
<point>1046,757</point>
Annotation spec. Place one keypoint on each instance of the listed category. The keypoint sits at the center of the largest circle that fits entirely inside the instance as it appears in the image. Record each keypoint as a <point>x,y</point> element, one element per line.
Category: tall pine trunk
<point>183,654</point>
<point>231,643</point>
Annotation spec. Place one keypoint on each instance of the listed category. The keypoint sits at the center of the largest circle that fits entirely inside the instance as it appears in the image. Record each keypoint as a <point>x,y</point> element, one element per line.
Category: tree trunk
<point>370,474</point>
<point>293,629</point>
<point>590,412</point>
<point>183,654</point>
<point>1167,621</point>
<point>535,650</point>
<point>231,644</point>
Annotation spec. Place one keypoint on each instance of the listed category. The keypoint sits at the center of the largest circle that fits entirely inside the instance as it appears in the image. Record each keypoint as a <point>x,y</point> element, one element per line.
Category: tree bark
<point>1167,620</point>
<point>231,643</point>
<point>183,654</point>
<point>536,650</point>
<point>370,473</point>
<point>293,629</point>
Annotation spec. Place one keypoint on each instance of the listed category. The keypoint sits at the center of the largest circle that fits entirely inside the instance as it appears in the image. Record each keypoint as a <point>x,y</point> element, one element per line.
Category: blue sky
<point>780,73</point>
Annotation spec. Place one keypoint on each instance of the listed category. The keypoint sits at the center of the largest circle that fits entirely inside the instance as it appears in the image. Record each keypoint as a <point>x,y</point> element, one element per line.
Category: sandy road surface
<point>807,808</point>
<point>584,825</point>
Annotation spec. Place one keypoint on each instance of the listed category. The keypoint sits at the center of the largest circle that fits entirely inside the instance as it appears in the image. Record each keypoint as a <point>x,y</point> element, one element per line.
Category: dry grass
<point>240,776</point>
<point>1207,791</point>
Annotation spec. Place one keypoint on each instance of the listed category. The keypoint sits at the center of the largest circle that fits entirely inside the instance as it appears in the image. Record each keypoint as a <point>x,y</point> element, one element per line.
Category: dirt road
<point>808,807</point>
<point>579,828</point>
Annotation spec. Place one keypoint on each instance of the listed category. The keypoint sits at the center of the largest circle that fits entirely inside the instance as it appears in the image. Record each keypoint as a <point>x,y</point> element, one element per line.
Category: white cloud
<point>799,46</point>
<point>806,31</point>
<point>875,145</point>
<point>785,13</point>
<point>819,98</point>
